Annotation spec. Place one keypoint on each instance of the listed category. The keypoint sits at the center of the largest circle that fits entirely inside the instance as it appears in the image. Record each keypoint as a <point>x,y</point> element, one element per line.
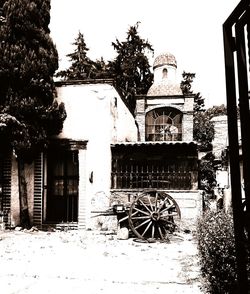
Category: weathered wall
<point>220,141</point>
<point>123,127</point>
<point>97,114</point>
<point>190,204</point>
<point>15,204</point>
<point>188,119</point>
<point>140,117</point>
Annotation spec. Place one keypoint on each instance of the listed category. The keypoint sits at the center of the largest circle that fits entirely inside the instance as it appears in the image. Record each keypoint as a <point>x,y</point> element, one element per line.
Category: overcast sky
<point>189,29</point>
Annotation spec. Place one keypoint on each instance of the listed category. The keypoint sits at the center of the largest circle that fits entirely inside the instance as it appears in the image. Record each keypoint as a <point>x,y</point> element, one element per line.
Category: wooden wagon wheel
<point>153,215</point>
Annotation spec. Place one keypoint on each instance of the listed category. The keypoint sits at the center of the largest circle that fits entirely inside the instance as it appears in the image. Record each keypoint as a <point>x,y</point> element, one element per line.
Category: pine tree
<point>203,127</point>
<point>28,61</point>
<point>101,69</point>
<point>82,67</point>
<point>131,68</point>
<point>186,87</point>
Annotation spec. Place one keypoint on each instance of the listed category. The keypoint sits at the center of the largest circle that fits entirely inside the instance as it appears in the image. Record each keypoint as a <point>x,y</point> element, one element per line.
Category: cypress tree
<point>28,61</point>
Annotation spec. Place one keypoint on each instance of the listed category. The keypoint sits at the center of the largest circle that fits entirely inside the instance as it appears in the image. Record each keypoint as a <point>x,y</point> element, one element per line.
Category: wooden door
<point>63,179</point>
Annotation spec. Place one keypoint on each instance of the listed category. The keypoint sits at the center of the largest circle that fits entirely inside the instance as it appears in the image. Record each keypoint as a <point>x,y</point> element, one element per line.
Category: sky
<point>189,29</point>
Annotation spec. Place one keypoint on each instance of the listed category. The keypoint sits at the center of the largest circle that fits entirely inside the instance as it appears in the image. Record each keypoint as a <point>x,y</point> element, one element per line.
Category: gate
<point>236,31</point>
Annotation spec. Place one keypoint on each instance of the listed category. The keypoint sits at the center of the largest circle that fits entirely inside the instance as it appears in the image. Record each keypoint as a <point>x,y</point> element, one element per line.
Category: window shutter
<point>6,195</point>
<point>38,191</point>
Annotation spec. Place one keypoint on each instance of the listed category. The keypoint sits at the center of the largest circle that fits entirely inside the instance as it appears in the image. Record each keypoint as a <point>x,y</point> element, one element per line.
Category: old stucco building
<point>105,155</point>
<point>73,176</point>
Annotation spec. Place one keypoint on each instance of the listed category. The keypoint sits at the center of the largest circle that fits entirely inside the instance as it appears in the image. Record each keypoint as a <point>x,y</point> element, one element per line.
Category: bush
<point>217,253</point>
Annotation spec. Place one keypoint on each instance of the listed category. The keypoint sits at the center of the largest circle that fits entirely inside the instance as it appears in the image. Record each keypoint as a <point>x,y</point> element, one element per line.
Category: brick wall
<point>140,117</point>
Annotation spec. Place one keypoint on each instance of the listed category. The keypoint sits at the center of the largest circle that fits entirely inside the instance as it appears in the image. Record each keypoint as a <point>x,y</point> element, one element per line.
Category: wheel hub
<point>155,216</point>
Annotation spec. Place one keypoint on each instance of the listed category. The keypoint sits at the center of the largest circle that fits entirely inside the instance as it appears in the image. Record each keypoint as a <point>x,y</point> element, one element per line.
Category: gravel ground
<point>95,262</point>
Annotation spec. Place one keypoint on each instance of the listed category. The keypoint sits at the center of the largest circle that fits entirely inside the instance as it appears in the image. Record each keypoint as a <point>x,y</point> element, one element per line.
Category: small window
<point>164,73</point>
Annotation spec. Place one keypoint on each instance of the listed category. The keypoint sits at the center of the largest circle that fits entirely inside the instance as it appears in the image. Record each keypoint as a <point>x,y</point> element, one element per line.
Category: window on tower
<point>164,73</point>
<point>164,124</point>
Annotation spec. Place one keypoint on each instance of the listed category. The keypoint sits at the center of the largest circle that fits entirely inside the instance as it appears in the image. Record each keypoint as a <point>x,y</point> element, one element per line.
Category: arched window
<point>164,73</point>
<point>164,124</point>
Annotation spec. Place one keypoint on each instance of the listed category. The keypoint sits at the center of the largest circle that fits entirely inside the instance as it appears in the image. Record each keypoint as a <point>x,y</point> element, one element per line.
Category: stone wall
<point>140,117</point>
<point>220,141</point>
<point>187,127</point>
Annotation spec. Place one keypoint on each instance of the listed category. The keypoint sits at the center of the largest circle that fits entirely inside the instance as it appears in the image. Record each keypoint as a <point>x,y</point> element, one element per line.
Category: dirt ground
<point>94,262</point>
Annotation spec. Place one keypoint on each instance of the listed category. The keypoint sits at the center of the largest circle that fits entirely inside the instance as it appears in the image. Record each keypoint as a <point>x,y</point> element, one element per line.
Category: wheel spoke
<point>156,198</point>
<point>139,210</point>
<point>123,219</point>
<point>168,215</point>
<point>166,236</point>
<point>153,231</point>
<point>160,231</point>
<point>144,205</point>
<point>168,207</point>
<point>164,201</point>
<point>169,222</point>
<point>148,226</point>
<point>134,213</point>
<point>142,224</point>
<point>140,217</point>
<point>150,203</point>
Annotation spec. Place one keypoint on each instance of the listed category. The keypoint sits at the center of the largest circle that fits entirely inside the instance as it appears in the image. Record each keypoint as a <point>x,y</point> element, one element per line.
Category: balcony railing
<point>157,179</point>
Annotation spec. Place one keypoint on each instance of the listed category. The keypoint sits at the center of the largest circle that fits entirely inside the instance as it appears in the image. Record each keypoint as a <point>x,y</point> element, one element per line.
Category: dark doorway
<point>63,179</point>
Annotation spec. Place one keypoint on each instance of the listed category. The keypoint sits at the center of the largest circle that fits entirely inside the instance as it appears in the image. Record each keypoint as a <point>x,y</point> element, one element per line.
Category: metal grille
<point>6,189</point>
<point>151,175</point>
<point>38,190</point>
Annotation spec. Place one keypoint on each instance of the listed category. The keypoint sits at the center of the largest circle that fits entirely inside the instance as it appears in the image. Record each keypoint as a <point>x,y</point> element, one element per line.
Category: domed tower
<point>164,67</point>
<point>165,114</point>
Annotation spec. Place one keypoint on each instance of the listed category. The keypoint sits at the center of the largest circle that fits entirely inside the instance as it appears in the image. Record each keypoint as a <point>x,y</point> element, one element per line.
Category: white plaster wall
<point>123,123</point>
<point>96,113</point>
<point>190,203</point>
<point>15,204</point>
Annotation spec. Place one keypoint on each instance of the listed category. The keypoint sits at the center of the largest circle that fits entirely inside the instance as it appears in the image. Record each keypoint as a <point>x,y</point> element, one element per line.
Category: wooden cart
<point>152,215</point>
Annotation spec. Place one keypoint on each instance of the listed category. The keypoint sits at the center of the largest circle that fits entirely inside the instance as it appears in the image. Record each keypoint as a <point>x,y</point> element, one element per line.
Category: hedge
<point>217,253</point>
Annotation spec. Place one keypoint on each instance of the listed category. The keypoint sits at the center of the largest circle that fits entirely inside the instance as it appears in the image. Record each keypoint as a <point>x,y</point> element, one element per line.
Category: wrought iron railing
<point>134,177</point>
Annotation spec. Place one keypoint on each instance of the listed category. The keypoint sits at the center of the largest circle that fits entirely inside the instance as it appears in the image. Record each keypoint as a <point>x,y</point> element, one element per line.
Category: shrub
<point>217,253</point>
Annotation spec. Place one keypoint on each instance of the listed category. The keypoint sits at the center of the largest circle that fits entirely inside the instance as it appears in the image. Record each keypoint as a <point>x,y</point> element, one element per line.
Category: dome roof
<point>164,89</point>
<point>165,59</point>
